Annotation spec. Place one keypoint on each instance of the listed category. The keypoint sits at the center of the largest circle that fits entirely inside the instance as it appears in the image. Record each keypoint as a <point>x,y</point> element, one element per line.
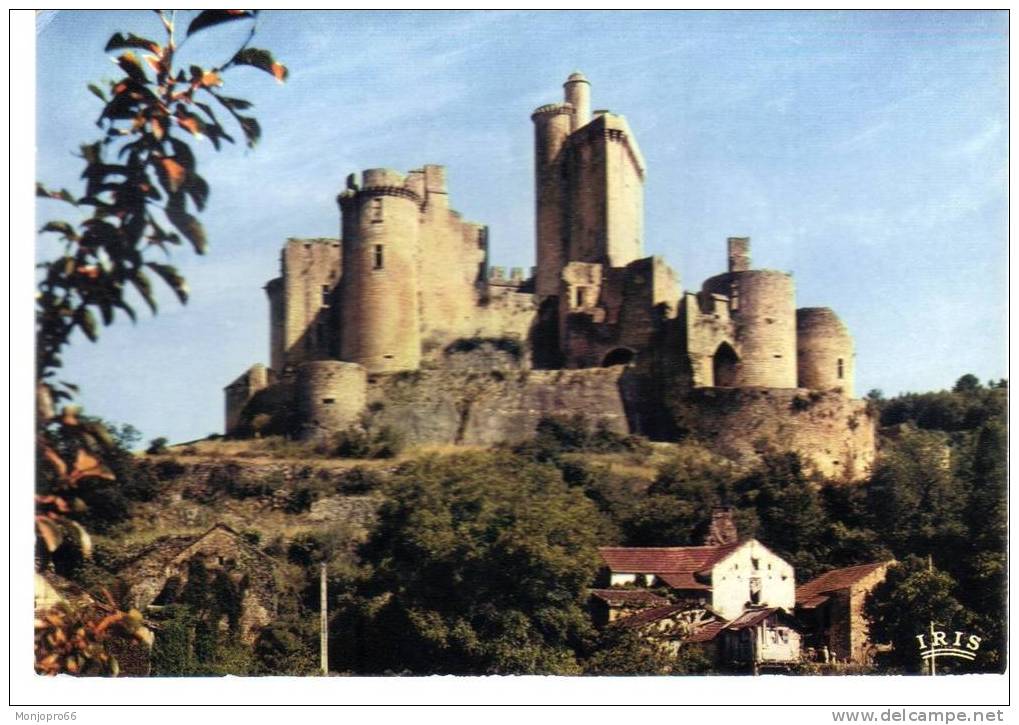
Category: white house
<point>728,579</point>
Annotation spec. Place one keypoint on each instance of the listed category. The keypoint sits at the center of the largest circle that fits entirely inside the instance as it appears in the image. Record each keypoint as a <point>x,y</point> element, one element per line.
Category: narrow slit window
<point>581,296</point>
<point>376,209</point>
<point>328,401</point>
<point>379,257</point>
<point>842,369</point>
<point>325,295</point>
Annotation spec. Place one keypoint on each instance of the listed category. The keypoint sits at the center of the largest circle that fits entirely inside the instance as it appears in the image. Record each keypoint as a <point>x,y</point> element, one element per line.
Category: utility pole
<point>930,568</point>
<point>323,636</point>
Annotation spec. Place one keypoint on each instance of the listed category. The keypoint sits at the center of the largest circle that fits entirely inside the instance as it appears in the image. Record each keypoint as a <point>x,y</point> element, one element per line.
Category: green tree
<point>912,596</point>
<point>793,520</point>
<point>480,565</point>
<point>620,651</point>
<point>966,384</point>
<point>914,499</point>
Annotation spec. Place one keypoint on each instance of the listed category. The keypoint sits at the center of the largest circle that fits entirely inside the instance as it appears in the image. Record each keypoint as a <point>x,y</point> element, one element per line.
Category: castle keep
<point>392,323</point>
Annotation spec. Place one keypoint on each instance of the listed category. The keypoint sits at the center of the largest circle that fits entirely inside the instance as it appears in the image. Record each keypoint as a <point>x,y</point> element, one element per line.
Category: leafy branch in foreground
<point>141,183</point>
<point>144,192</point>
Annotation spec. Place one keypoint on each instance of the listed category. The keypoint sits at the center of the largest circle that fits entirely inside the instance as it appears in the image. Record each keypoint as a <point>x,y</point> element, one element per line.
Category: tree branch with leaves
<point>142,196</point>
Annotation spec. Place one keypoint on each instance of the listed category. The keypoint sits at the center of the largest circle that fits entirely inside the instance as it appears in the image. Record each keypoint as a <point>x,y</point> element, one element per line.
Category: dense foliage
<point>478,565</point>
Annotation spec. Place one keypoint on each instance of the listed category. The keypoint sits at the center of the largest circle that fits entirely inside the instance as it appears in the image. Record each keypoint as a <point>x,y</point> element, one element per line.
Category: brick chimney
<point>722,530</point>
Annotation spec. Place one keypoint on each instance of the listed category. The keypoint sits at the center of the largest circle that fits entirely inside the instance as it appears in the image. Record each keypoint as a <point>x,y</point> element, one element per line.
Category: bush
<point>508,345</point>
<point>237,483</point>
<point>358,480</point>
<point>157,446</point>
<point>355,442</point>
<point>300,500</point>
<point>169,468</point>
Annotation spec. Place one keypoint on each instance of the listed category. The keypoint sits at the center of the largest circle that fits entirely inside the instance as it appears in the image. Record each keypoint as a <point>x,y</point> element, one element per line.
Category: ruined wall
<point>274,290</point>
<point>706,326</point>
<point>833,432</point>
<point>494,407</point>
<point>310,269</point>
<point>824,351</point>
<point>861,648</point>
<point>451,258</point>
<point>240,391</point>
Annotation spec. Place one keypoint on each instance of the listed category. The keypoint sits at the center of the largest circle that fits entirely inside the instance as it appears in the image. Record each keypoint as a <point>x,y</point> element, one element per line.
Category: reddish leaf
<point>175,174</point>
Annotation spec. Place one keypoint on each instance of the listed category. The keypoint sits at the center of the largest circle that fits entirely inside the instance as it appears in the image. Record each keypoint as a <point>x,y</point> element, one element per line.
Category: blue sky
<point>865,152</point>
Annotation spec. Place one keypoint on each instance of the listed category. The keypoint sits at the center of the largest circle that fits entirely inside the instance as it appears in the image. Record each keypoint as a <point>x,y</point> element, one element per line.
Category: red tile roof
<point>817,591</point>
<point>708,632</point>
<point>665,559</point>
<point>629,597</point>
<point>682,580</point>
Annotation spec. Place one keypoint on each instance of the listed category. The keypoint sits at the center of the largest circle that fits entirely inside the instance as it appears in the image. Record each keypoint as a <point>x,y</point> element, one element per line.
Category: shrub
<point>157,446</point>
<point>169,468</point>
<point>356,442</point>
<point>358,480</point>
<point>300,500</point>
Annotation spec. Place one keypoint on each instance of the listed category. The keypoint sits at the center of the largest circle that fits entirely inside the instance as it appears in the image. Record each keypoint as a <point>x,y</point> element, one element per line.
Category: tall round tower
<point>763,310</point>
<point>824,350</point>
<point>379,287</point>
<point>551,129</point>
<point>578,94</point>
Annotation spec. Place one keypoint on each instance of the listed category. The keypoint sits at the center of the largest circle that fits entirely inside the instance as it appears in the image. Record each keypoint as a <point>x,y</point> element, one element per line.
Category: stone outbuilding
<point>610,605</point>
<point>830,607</point>
<point>157,577</point>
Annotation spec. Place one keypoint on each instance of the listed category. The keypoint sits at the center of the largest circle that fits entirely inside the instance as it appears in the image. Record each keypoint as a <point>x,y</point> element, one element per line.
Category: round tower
<point>551,129</point>
<point>763,310</point>
<point>379,288</point>
<point>578,94</point>
<point>331,395</point>
<point>824,351</point>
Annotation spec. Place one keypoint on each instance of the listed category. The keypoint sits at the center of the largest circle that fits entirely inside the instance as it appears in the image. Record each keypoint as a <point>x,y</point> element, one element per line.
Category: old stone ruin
<point>402,322</point>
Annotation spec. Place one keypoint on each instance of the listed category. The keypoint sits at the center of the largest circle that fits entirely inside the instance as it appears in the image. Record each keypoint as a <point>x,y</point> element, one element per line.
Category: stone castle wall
<point>330,395</point>
<point>501,406</point>
<point>824,351</point>
<point>835,433</point>
<point>762,307</point>
<point>310,273</point>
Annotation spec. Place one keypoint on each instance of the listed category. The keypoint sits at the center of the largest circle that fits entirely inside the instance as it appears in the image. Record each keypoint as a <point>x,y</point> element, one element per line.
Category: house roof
<point>682,580</point>
<point>629,597</point>
<point>649,615</point>
<point>751,618</point>
<point>708,632</point>
<point>664,559</point>
<point>817,591</point>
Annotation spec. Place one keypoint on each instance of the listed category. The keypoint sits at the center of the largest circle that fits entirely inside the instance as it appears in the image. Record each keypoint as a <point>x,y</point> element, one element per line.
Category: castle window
<point>378,257</point>
<point>376,210</point>
<point>325,295</point>
<point>328,401</point>
<point>842,370</point>
<point>581,296</point>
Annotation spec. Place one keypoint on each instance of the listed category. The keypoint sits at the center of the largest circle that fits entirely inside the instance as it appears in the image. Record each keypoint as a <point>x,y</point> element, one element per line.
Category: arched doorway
<point>619,356</point>
<point>724,363</point>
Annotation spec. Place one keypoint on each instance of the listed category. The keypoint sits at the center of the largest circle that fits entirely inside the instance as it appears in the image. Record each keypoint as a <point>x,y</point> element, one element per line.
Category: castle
<point>396,319</point>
